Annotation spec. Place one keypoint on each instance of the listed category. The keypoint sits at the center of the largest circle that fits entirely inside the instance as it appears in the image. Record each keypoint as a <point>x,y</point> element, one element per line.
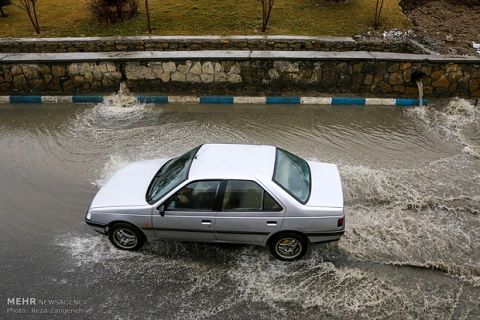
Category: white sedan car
<point>228,193</point>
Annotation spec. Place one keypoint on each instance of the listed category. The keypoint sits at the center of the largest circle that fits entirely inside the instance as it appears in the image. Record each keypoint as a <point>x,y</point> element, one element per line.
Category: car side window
<point>196,196</point>
<point>244,195</point>
<point>269,204</point>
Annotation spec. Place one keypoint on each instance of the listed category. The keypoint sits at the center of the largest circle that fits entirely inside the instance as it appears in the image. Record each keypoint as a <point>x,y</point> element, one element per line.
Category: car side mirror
<point>161,210</point>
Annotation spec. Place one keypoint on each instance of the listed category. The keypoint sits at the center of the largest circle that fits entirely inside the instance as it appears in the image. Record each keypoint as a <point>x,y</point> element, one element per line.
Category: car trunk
<point>326,190</point>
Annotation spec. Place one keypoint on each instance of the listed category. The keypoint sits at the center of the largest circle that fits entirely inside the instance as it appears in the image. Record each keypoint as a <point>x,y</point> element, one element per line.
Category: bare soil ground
<point>451,27</point>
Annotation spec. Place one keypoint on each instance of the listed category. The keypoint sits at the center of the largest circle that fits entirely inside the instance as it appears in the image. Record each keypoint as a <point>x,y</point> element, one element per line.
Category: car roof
<point>233,161</point>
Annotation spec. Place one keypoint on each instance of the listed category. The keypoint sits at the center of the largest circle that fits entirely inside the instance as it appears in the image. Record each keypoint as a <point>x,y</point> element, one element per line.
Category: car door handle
<point>207,222</point>
<point>271,223</point>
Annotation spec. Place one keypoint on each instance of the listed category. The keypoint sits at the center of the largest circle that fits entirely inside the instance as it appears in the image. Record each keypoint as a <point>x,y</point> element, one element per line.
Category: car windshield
<point>170,175</point>
<point>293,175</point>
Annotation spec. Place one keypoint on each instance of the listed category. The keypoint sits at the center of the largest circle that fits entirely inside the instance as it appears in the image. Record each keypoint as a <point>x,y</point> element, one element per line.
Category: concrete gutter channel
<point>352,73</point>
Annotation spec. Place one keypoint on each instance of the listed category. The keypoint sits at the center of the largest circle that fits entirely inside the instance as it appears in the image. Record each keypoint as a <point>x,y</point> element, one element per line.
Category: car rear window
<point>292,173</point>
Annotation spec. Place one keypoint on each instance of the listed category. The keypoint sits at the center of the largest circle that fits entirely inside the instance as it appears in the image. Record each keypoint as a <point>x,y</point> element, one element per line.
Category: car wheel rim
<point>125,238</point>
<point>288,248</point>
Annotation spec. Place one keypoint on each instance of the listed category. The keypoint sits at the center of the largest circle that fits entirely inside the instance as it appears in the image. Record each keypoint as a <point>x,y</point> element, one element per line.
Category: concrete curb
<point>294,100</point>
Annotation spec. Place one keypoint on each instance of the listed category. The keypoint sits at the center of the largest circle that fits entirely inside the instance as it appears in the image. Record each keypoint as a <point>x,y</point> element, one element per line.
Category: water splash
<point>233,276</point>
<point>451,121</point>
<point>415,217</point>
<point>430,240</point>
<point>334,290</point>
<point>95,249</point>
<point>251,274</point>
<point>424,187</point>
<point>121,99</point>
<point>119,110</point>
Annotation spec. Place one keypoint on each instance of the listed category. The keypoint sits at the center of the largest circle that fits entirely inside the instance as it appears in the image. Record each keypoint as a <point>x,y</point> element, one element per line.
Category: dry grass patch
<point>205,17</point>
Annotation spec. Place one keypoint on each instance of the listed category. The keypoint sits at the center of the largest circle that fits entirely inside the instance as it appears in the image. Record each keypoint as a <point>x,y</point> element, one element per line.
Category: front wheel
<point>288,246</point>
<point>125,236</point>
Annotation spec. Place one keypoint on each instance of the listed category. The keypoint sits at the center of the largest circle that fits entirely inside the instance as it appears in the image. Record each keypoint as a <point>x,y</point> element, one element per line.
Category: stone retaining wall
<point>256,72</point>
<point>187,43</point>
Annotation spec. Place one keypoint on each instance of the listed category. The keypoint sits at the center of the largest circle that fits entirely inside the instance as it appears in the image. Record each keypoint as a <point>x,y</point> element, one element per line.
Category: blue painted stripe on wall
<point>283,100</point>
<point>348,101</point>
<point>408,102</point>
<point>25,99</point>
<point>153,99</point>
<point>87,99</point>
<point>216,100</point>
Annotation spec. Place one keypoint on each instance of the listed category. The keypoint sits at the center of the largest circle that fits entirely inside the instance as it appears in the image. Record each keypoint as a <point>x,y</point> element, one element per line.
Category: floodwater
<point>411,181</point>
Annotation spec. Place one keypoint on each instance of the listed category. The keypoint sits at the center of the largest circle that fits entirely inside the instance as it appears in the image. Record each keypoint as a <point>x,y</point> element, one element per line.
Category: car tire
<point>125,236</point>
<point>288,246</point>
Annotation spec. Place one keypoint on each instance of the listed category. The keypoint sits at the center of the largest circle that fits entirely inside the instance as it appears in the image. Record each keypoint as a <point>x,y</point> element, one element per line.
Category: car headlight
<point>89,214</point>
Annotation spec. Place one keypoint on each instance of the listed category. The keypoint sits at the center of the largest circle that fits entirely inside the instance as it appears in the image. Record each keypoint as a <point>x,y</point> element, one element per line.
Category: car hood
<point>128,186</point>
<point>326,186</point>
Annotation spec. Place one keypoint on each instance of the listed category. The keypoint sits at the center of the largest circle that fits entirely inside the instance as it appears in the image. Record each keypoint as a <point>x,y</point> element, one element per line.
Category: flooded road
<point>411,181</point>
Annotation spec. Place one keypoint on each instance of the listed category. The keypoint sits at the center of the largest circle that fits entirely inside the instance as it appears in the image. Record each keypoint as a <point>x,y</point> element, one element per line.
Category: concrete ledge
<point>229,55</point>
<point>262,100</point>
<point>180,38</point>
<point>122,56</point>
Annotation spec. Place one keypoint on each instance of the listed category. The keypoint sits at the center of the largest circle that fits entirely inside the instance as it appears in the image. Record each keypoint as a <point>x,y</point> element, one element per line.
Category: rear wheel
<point>288,246</point>
<point>125,236</point>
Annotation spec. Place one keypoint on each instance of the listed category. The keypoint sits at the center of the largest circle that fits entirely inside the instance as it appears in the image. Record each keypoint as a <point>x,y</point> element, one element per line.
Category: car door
<point>248,213</point>
<point>189,214</point>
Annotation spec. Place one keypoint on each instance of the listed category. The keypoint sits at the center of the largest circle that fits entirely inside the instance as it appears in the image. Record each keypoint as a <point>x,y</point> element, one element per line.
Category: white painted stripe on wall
<point>4,99</point>
<point>249,100</point>
<point>380,102</point>
<point>56,99</point>
<point>50,99</point>
<point>316,100</point>
<point>183,99</point>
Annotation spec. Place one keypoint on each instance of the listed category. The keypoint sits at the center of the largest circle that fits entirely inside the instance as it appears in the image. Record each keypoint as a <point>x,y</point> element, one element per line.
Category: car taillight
<point>340,222</point>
